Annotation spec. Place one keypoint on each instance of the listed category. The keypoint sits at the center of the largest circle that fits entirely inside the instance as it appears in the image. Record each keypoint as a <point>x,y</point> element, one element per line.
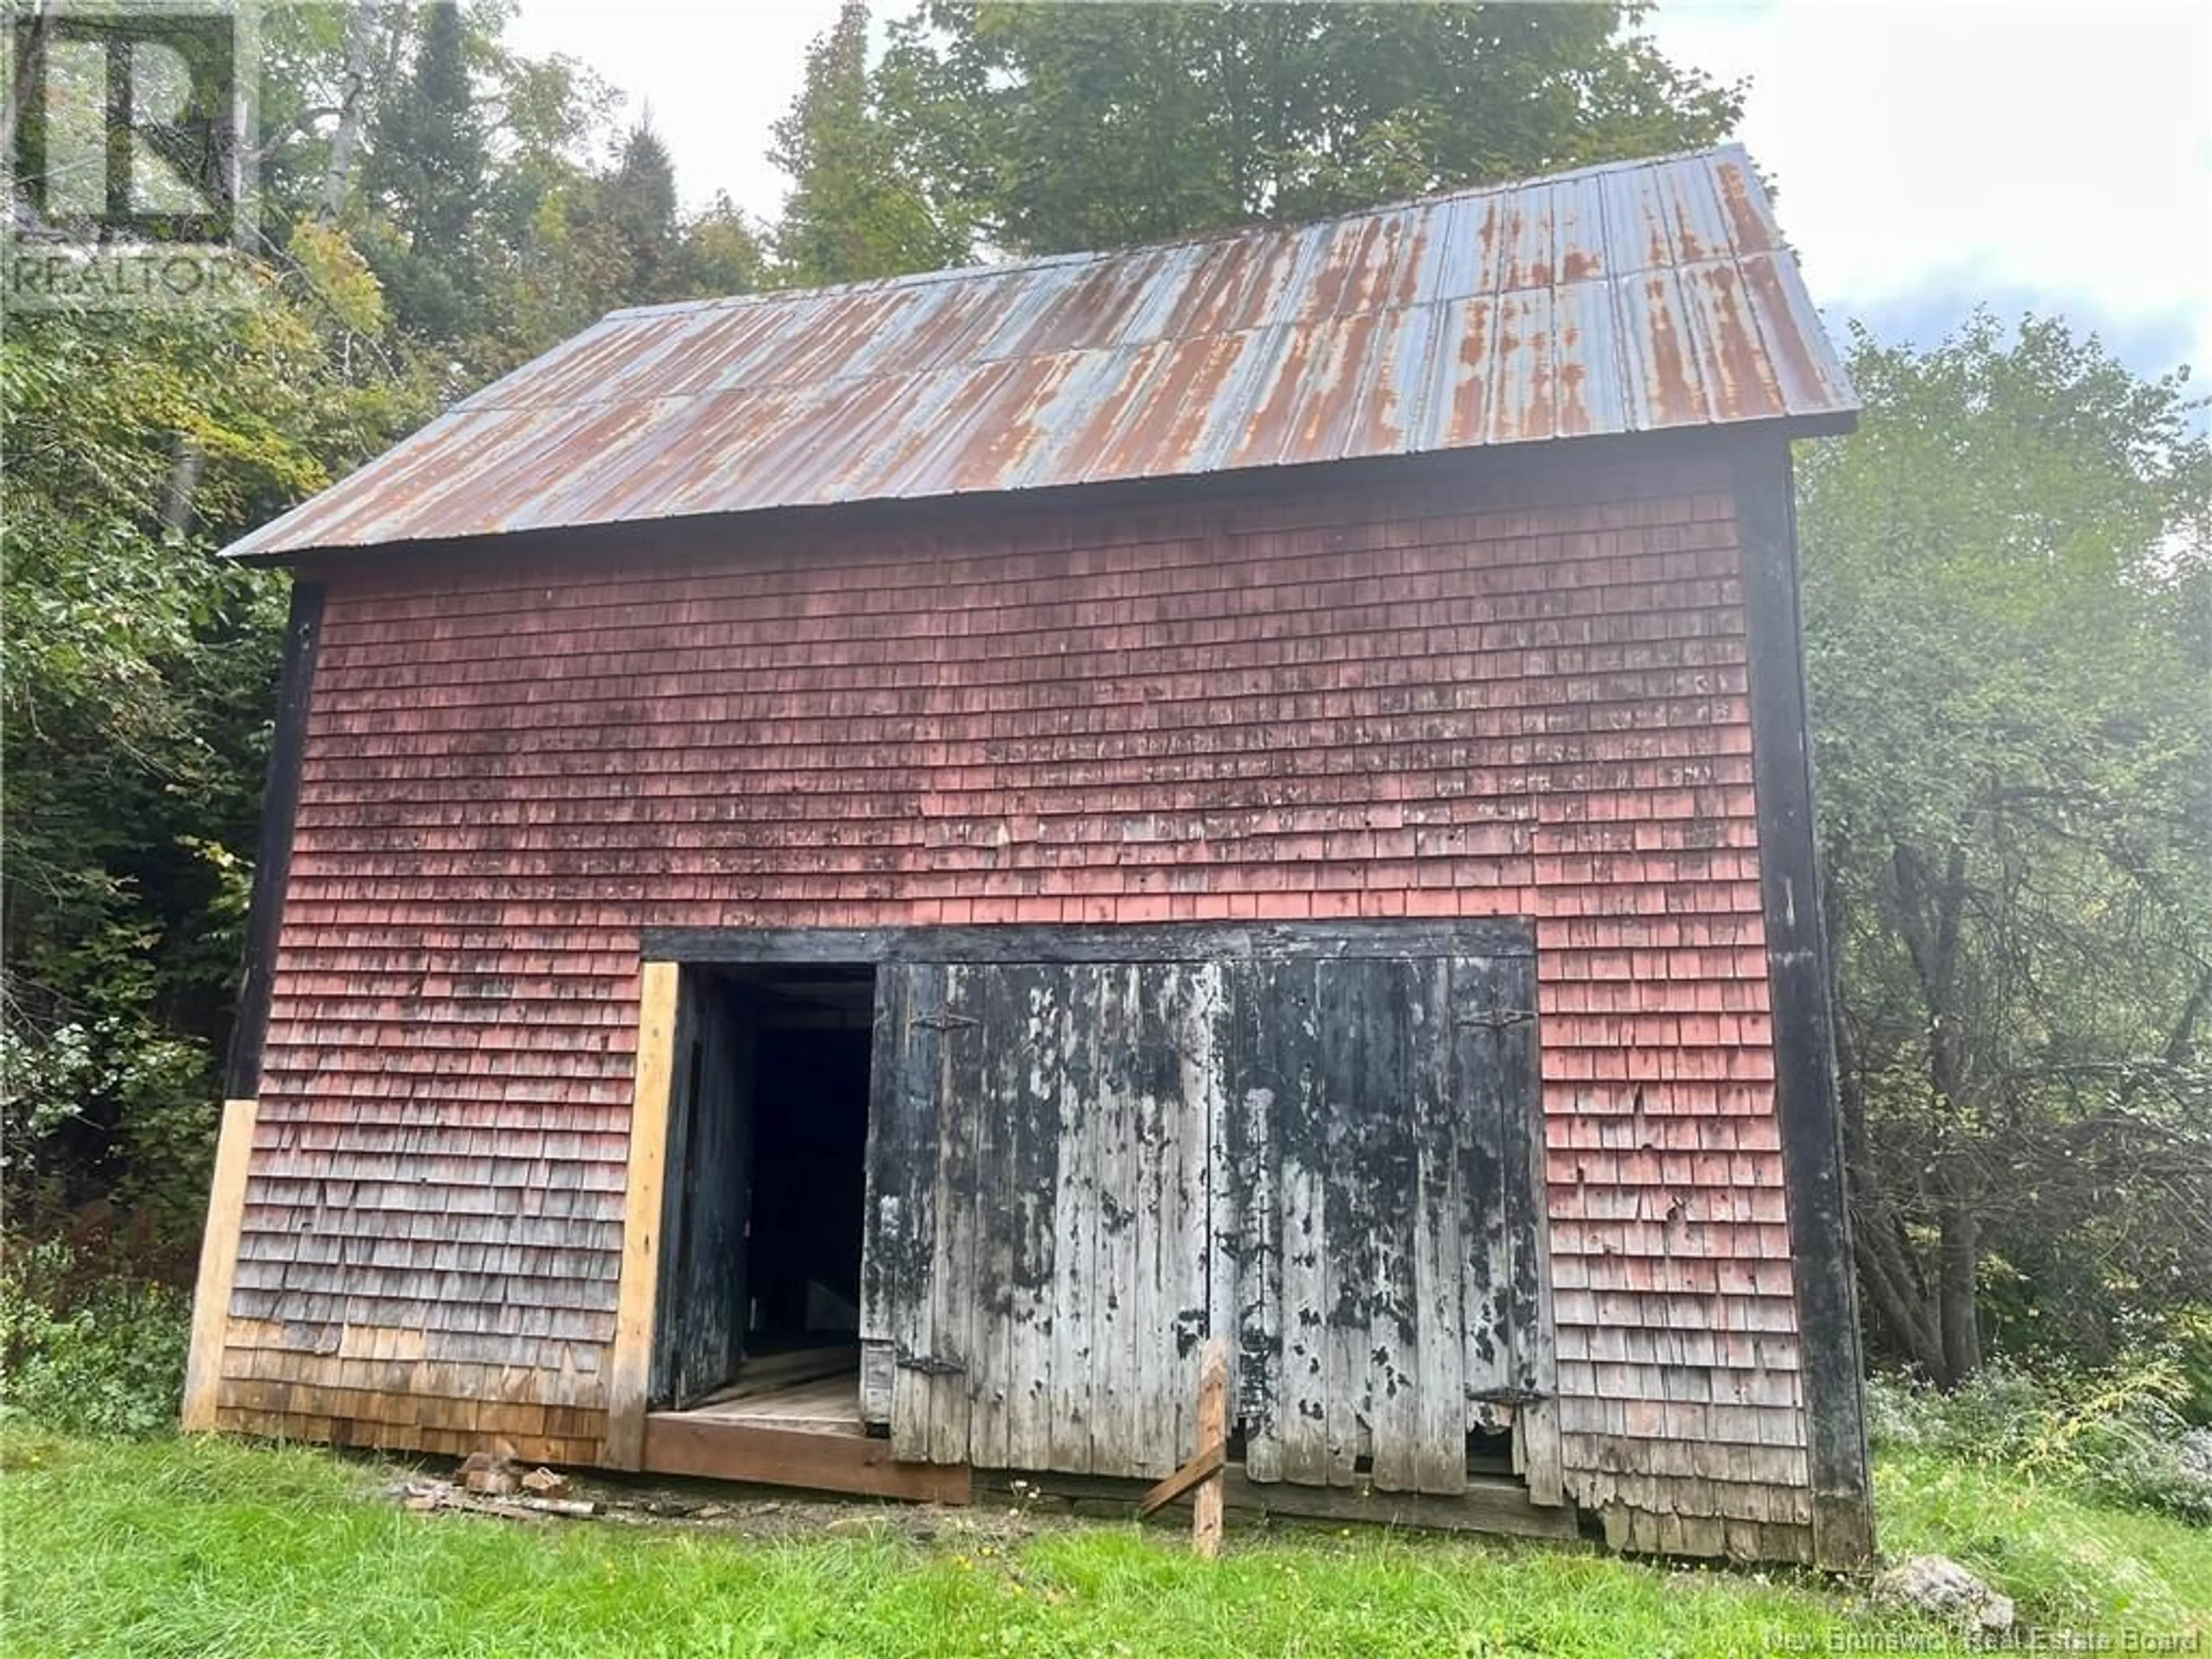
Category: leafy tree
<point>856,209</point>
<point>426,226</point>
<point>548,271</point>
<point>594,243</point>
<point>724,251</point>
<point>324,66</point>
<point>1059,127</point>
<point>2006,577</point>
<point>134,702</point>
<point>302,97</point>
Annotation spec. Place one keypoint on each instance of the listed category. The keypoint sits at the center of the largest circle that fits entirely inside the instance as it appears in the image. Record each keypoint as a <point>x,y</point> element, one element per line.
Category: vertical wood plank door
<point>1387,1250</point>
<point>702,1293</point>
<point>1078,1170</point>
<point>1060,1115</point>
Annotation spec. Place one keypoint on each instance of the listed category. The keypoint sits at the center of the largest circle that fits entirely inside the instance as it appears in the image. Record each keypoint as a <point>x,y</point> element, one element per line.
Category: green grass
<point>205,1547</point>
<point>2067,1565</point>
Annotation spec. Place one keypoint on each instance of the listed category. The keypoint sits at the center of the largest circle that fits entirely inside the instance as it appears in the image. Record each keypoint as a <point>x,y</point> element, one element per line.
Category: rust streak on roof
<point>1629,298</point>
<point>1751,226</point>
<point>1667,386</point>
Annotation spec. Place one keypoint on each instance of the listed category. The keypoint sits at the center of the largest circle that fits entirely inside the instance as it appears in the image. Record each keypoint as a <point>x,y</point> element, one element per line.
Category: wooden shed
<point>850,875</point>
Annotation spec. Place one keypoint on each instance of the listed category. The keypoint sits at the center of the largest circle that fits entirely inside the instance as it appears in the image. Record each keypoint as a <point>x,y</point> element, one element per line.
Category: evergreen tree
<point>425,178</point>
<point>640,197</point>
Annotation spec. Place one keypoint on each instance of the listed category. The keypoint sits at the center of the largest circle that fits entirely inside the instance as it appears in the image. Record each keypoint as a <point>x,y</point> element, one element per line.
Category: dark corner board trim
<point>280,802</point>
<point>1168,942</point>
<point>1804,1035</point>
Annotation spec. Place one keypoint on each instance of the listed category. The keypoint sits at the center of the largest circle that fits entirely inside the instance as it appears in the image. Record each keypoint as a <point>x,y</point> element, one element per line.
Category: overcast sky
<point>2040,156</point>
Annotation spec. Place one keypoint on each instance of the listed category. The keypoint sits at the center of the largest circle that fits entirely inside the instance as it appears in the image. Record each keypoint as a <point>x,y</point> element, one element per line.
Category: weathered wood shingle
<point>1519,694</point>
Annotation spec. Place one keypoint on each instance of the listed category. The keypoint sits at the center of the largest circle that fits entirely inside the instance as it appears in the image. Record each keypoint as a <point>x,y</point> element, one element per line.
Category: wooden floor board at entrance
<point>777,1372</point>
<point>826,1405</point>
<point>686,1444</point>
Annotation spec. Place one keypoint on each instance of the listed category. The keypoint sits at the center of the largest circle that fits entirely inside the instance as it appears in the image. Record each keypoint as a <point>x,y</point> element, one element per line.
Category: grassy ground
<point>205,1548</point>
<point>2070,1565</point>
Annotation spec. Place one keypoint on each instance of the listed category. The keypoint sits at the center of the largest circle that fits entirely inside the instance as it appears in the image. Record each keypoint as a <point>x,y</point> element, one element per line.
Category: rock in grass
<point>1939,1587</point>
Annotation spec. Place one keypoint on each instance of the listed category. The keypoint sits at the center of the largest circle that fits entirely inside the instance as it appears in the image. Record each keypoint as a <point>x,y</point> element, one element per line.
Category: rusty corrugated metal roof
<point>1631,298</point>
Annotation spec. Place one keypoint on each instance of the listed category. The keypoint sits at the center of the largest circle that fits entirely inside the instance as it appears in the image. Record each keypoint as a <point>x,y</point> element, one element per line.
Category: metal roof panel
<point>1615,299</point>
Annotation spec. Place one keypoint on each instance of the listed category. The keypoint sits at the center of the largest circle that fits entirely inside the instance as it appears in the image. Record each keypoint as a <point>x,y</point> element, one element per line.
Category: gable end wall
<point>1503,692</point>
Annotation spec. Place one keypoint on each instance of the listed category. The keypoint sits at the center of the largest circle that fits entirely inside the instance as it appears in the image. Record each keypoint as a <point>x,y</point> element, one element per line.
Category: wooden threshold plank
<point>772,1387</point>
<point>1484,1506</point>
<point>679,1444</point>
<point>744,1414</point>
<point>1487,1505</point>
<point>829,1405</point>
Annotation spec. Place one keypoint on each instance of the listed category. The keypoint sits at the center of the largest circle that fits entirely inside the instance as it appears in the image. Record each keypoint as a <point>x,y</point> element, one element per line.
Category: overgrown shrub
<point>2116,1436</point>
<point>2188,1335</point>
<point>103,1356</point>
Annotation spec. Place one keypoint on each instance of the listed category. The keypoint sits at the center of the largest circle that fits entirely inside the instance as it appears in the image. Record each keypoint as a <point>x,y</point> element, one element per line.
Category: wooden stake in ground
<point>1204,1469</point>
<point>1213,1440</point>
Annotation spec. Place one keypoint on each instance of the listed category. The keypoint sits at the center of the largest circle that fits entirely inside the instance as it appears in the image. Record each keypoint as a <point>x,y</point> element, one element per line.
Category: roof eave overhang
<point>1163,490</point>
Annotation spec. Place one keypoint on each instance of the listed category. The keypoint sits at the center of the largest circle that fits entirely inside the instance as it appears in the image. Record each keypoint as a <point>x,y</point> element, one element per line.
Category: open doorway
<point>758,1312</point>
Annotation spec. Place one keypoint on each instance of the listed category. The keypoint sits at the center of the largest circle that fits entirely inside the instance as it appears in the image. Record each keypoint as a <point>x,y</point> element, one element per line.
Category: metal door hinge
<point>930,1365</point>
<point>938,1020</point>
<point>1508,1395</point>
<point>1496,1019</point>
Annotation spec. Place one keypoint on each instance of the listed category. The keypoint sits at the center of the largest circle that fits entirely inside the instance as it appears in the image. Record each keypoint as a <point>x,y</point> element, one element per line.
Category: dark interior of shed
<point>769,1170</point>
<point>809,1137</point>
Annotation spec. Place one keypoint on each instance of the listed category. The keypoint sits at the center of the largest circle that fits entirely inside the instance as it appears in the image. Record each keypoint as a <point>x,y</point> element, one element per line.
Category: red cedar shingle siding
<point>1523,696</point>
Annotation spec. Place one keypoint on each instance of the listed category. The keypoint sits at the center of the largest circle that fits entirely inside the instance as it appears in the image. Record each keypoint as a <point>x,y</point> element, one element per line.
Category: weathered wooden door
<point>1078,1168</point>
<point>1034,1274</point>
<point>1387,1240</point>
<point>699,1331</point>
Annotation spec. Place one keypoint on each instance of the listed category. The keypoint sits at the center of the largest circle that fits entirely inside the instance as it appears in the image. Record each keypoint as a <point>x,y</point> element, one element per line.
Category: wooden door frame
<point>630,1366</point>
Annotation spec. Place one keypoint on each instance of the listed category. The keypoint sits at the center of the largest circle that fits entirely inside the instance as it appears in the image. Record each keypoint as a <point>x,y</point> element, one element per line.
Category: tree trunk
<point>1931,913</point>
<point>1957,1270</point>
<point>1893,1287</point>
<point>1895,1294</point>
<point>30,57</point>
<point>1894,1291</point>
<point>361,21</point>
